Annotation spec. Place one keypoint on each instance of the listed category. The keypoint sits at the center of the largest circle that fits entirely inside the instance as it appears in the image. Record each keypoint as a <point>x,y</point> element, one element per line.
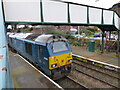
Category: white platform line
<point>97,61</point>
<point>41,73</point>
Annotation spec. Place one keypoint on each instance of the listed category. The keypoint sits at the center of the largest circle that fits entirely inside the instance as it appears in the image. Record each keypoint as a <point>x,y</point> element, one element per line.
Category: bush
<point>66,35</point>
<point>17,30</point>
<point>88,32</point>
<point>69,37</point>
<point>76,43</point>
<point>26,30</point>
<point>114,32</point>
<point>93,29</point>
<point>58,33</point>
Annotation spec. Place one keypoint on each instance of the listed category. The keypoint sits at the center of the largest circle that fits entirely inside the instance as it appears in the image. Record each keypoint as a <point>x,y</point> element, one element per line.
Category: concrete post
<point>109,35</point>
<point>102,46</point>
<point>118,42</point>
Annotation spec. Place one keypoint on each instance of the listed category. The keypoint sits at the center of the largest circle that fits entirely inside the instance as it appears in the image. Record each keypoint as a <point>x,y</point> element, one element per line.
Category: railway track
<point>69,82</point>
<point>99,71</point>
<point>87,70</point>
<point>106,66</point>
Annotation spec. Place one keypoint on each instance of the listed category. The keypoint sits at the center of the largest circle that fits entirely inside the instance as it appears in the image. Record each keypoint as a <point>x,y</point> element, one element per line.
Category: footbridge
<point>58,12</point>
<point>48,12</point>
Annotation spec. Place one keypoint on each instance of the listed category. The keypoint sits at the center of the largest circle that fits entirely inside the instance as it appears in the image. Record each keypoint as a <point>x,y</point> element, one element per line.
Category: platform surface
<point>109,57</point>
<point>25,76</point>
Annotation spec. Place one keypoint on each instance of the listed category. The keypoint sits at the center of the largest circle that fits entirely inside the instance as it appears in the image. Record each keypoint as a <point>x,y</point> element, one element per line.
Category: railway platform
<point>26,76</point>
<point>109,58</point>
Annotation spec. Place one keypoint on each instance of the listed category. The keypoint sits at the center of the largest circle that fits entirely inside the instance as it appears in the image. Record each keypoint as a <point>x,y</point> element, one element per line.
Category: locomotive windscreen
<point>59,46</point>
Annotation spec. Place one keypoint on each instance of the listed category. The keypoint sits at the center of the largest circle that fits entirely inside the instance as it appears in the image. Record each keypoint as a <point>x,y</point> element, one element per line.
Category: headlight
<point>53,65</point>
<point>70,60</point>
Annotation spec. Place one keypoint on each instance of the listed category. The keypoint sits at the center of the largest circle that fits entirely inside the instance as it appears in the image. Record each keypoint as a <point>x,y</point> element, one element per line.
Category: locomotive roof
<point>49,38</point>
<point>19,35</point>
<point>44,38</point>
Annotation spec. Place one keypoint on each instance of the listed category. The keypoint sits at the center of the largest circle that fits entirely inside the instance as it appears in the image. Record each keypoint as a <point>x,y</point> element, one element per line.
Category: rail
<point>83,86</point>
<point>97,63</point>
<point>97,71</point>
<point>96,78</point>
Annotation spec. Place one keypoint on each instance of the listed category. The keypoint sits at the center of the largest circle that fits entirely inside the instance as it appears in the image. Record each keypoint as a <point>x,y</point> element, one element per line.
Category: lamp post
<point>78,30</point>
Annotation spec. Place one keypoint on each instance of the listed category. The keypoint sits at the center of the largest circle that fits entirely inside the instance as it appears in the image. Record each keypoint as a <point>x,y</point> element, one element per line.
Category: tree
<point>93,29</point>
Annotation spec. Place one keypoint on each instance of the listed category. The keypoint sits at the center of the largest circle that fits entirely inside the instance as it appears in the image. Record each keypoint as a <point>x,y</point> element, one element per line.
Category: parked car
<point>97,34</point>
<point>78,36</point>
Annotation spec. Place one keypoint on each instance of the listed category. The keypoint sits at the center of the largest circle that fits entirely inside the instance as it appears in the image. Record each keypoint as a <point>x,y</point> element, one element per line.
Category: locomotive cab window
<point>28,48</point>
<point>59,46</point>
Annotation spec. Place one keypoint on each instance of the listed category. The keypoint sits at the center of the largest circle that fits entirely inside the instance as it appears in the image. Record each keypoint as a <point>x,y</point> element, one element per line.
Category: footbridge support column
<point>5,76</point>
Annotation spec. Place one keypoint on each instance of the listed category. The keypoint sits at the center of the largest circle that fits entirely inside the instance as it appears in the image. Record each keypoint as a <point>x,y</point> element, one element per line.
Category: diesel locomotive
<point>51,53</point>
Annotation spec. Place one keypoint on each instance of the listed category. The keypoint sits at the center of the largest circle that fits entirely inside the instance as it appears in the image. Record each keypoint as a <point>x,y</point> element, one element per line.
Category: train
<point>52,53</point>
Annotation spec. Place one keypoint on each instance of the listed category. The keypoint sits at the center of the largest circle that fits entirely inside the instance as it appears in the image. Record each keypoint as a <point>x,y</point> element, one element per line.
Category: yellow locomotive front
<point>60,57</point>
<point>60,60</point>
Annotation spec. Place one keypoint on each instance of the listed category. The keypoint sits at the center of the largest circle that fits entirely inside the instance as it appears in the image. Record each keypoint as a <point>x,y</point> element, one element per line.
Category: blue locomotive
<point>51,53</point>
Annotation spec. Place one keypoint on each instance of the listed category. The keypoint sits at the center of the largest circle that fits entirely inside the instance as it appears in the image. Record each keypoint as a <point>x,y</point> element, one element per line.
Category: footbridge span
<point>58,12</point>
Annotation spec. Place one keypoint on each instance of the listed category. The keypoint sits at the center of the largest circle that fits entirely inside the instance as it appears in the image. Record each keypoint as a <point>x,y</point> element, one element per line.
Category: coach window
<point>28,48</point>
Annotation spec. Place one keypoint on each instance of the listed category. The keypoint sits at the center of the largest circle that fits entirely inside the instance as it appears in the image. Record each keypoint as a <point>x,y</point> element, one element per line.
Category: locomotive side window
<point>59,46</point>
<point>11,40</point>
<point>41,49</point>
<point>41,53</point>
<point>28,48</point>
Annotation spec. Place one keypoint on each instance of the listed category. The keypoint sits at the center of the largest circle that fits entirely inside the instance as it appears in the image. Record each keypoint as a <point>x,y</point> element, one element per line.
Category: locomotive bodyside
<point>48,56</point>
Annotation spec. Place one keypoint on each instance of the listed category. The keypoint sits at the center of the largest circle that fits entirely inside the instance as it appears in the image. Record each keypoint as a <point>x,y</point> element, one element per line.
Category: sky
<point>97,3</point>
